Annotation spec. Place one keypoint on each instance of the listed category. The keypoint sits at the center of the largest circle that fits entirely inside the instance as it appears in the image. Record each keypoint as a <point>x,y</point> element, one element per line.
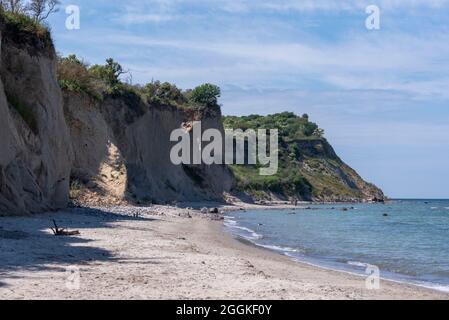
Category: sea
<point>407,240</point>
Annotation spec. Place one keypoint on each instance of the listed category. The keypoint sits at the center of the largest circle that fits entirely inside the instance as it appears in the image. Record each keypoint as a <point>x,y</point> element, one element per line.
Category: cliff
<point>110,149</point>
<point>309,168</point>
<point>35,157</point>
<point>121,154</point>
<point>69,130</point>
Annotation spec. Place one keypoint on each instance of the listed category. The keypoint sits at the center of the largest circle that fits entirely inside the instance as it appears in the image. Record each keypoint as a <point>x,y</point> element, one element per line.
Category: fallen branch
<point>63,232</point>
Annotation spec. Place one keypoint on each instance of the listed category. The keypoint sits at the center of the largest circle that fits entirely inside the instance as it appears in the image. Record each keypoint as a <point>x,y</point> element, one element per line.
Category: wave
<point>357,264</point>
<point>435,287</point>
<point>250,234</point>
<point>229,222</point>
<point>279,248</point>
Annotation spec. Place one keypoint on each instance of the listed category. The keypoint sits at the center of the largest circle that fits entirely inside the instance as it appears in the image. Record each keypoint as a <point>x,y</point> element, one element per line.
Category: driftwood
<point>63,232</point>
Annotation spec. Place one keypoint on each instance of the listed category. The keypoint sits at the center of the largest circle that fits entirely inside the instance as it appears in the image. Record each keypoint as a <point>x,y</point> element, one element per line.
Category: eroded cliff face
<point>332,179</point>
<point>36,156</point>
<point>53,144</point>
<point>123,153</point>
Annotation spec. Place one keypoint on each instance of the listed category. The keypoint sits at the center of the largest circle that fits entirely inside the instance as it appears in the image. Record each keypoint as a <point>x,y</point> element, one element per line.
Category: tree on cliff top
<point>163,94</point>
<point>13,6</point>
<point>110,73</point>
<point>39,10</point>
<point>206,94</point>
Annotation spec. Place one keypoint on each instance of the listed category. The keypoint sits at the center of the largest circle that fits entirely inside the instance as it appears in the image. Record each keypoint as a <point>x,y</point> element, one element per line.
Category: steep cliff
<point>124,154</point>
<point>109,149</point>
<point>309,168</point>
<point>35,157</point>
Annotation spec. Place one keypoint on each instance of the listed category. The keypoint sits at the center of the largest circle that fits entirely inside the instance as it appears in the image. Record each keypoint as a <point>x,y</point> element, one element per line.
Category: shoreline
<point>255,245</point>
<point>320,263</point>
<point>163,253</point>
<point>304,264</point>
<point>341,270</point>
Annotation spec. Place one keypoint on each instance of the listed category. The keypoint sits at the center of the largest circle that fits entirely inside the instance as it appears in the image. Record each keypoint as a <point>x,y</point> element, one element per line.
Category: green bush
<point>163,94</point>
<point>206,94</point>
<point>110,74</point>
<point>290,126</point>
<point>73,75</point>
<point>101,81</point>
<point>287,182</point>
<point>290,179</point>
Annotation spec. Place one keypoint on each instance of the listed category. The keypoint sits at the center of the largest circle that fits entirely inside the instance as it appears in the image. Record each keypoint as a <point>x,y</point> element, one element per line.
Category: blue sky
<point>382,96</point>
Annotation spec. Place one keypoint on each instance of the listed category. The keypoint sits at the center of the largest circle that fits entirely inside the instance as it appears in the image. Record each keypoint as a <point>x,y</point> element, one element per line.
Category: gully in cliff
<point>240,147</point>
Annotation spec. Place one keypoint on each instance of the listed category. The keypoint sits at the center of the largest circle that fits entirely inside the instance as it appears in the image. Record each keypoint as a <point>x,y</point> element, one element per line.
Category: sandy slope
<point>160,255</point>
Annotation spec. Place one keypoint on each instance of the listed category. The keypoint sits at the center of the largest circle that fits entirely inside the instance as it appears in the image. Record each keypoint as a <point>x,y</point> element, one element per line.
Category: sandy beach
<point>160,253</point>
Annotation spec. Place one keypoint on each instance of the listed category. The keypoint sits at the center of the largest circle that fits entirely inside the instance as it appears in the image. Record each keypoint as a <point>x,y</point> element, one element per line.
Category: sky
<point>382,96</point>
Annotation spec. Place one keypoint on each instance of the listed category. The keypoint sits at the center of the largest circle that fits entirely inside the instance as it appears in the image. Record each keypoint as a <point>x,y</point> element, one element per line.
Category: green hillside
<point>309,168</point>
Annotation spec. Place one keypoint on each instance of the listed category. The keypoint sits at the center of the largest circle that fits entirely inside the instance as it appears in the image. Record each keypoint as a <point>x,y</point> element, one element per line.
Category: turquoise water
<point>410,244</point>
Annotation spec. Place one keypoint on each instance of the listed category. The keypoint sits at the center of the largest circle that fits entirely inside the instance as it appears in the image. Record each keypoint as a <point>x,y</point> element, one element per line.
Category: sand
<point>161,253</point>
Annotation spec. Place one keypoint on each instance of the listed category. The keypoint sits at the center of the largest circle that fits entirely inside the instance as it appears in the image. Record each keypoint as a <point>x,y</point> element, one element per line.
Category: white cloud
<point>298,5</point>
<point>235,6</point>
<point>140,12</point>
<point>136,18</point>
<point>400,62</point>
<point>158,11</point>
<point>349,5</point>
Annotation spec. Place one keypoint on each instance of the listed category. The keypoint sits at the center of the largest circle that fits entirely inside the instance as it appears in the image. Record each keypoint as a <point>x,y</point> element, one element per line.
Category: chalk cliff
<point>35,157</point>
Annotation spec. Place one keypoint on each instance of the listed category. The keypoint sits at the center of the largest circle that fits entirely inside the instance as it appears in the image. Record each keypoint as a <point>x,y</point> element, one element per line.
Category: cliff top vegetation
<point>112,80</point>
<point>22,23</point>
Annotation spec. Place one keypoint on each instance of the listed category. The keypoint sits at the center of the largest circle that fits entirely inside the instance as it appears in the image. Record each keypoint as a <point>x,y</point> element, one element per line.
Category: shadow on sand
<point>27,244</point>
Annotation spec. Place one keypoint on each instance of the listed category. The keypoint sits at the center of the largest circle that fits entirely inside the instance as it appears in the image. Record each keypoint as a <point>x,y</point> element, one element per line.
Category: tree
<point>319,133</point>
<point>163,94</point>
<point>205,94</point>
<point>110,73</point>
<point>14,6</point>
<point>74,75</point>
<point>40,10</point>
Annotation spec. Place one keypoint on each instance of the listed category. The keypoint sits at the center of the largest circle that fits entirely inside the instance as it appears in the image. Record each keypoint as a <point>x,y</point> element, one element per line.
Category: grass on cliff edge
<point>102,81</point>
<point>22,30</point>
